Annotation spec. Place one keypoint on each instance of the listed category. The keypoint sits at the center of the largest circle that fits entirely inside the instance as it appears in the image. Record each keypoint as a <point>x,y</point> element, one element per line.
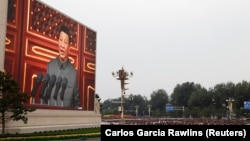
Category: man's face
<point>63,46</point>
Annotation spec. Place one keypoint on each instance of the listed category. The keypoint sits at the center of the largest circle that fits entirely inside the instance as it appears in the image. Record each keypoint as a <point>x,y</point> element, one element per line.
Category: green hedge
<point>82,133</point>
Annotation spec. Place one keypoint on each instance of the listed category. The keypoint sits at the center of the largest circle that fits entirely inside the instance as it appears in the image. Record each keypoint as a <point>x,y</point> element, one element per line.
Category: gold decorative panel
<point>90,41</point>
<point>45,21</point>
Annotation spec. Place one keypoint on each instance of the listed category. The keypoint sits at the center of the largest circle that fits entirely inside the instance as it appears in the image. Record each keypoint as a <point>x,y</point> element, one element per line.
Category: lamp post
<point>149,109</point>
<point>122,75</point>
<point>136,110</point>
<point>230,106</point>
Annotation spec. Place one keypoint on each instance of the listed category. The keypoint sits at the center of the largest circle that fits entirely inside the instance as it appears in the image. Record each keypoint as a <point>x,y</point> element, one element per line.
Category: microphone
<point>38,81</point>
<point>50,87</point>
<point>64,86</point>
<point>44,85</point>
<point>58,85</point>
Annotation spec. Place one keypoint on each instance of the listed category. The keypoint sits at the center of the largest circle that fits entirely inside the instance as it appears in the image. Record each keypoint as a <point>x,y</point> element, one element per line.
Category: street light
<point>149,110</point>
<point>122,75</point>
<point>230,106</point>
<point>136,110</point>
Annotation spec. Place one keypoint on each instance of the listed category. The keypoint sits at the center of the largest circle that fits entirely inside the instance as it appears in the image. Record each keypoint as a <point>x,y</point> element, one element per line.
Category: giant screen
<point>33,40</point>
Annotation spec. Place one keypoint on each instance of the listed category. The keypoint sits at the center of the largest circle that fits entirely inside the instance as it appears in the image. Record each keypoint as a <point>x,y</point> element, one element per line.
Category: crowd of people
<point>177,121</point>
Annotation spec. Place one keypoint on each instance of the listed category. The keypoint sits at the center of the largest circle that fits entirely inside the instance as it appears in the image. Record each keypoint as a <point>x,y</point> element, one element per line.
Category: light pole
<point>149,109</point>
<point>136,110</point>
<point>122,75</point>
<point>230,106</point>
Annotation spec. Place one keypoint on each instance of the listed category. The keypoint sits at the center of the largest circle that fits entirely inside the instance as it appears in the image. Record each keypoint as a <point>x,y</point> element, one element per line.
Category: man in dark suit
<point>63,68</point>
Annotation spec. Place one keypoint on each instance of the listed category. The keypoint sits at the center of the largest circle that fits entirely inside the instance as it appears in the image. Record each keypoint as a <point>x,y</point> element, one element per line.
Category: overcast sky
<point>165,42</point>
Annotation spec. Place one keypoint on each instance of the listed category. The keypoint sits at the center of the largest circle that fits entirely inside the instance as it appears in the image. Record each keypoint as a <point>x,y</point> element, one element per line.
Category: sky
<point>165,42</point>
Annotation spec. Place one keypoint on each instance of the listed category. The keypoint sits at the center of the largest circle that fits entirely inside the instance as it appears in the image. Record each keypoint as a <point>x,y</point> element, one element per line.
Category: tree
<point>134,101</point>
<point>12,101</point>
<point>158,100</point>
<point>182,92</point>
